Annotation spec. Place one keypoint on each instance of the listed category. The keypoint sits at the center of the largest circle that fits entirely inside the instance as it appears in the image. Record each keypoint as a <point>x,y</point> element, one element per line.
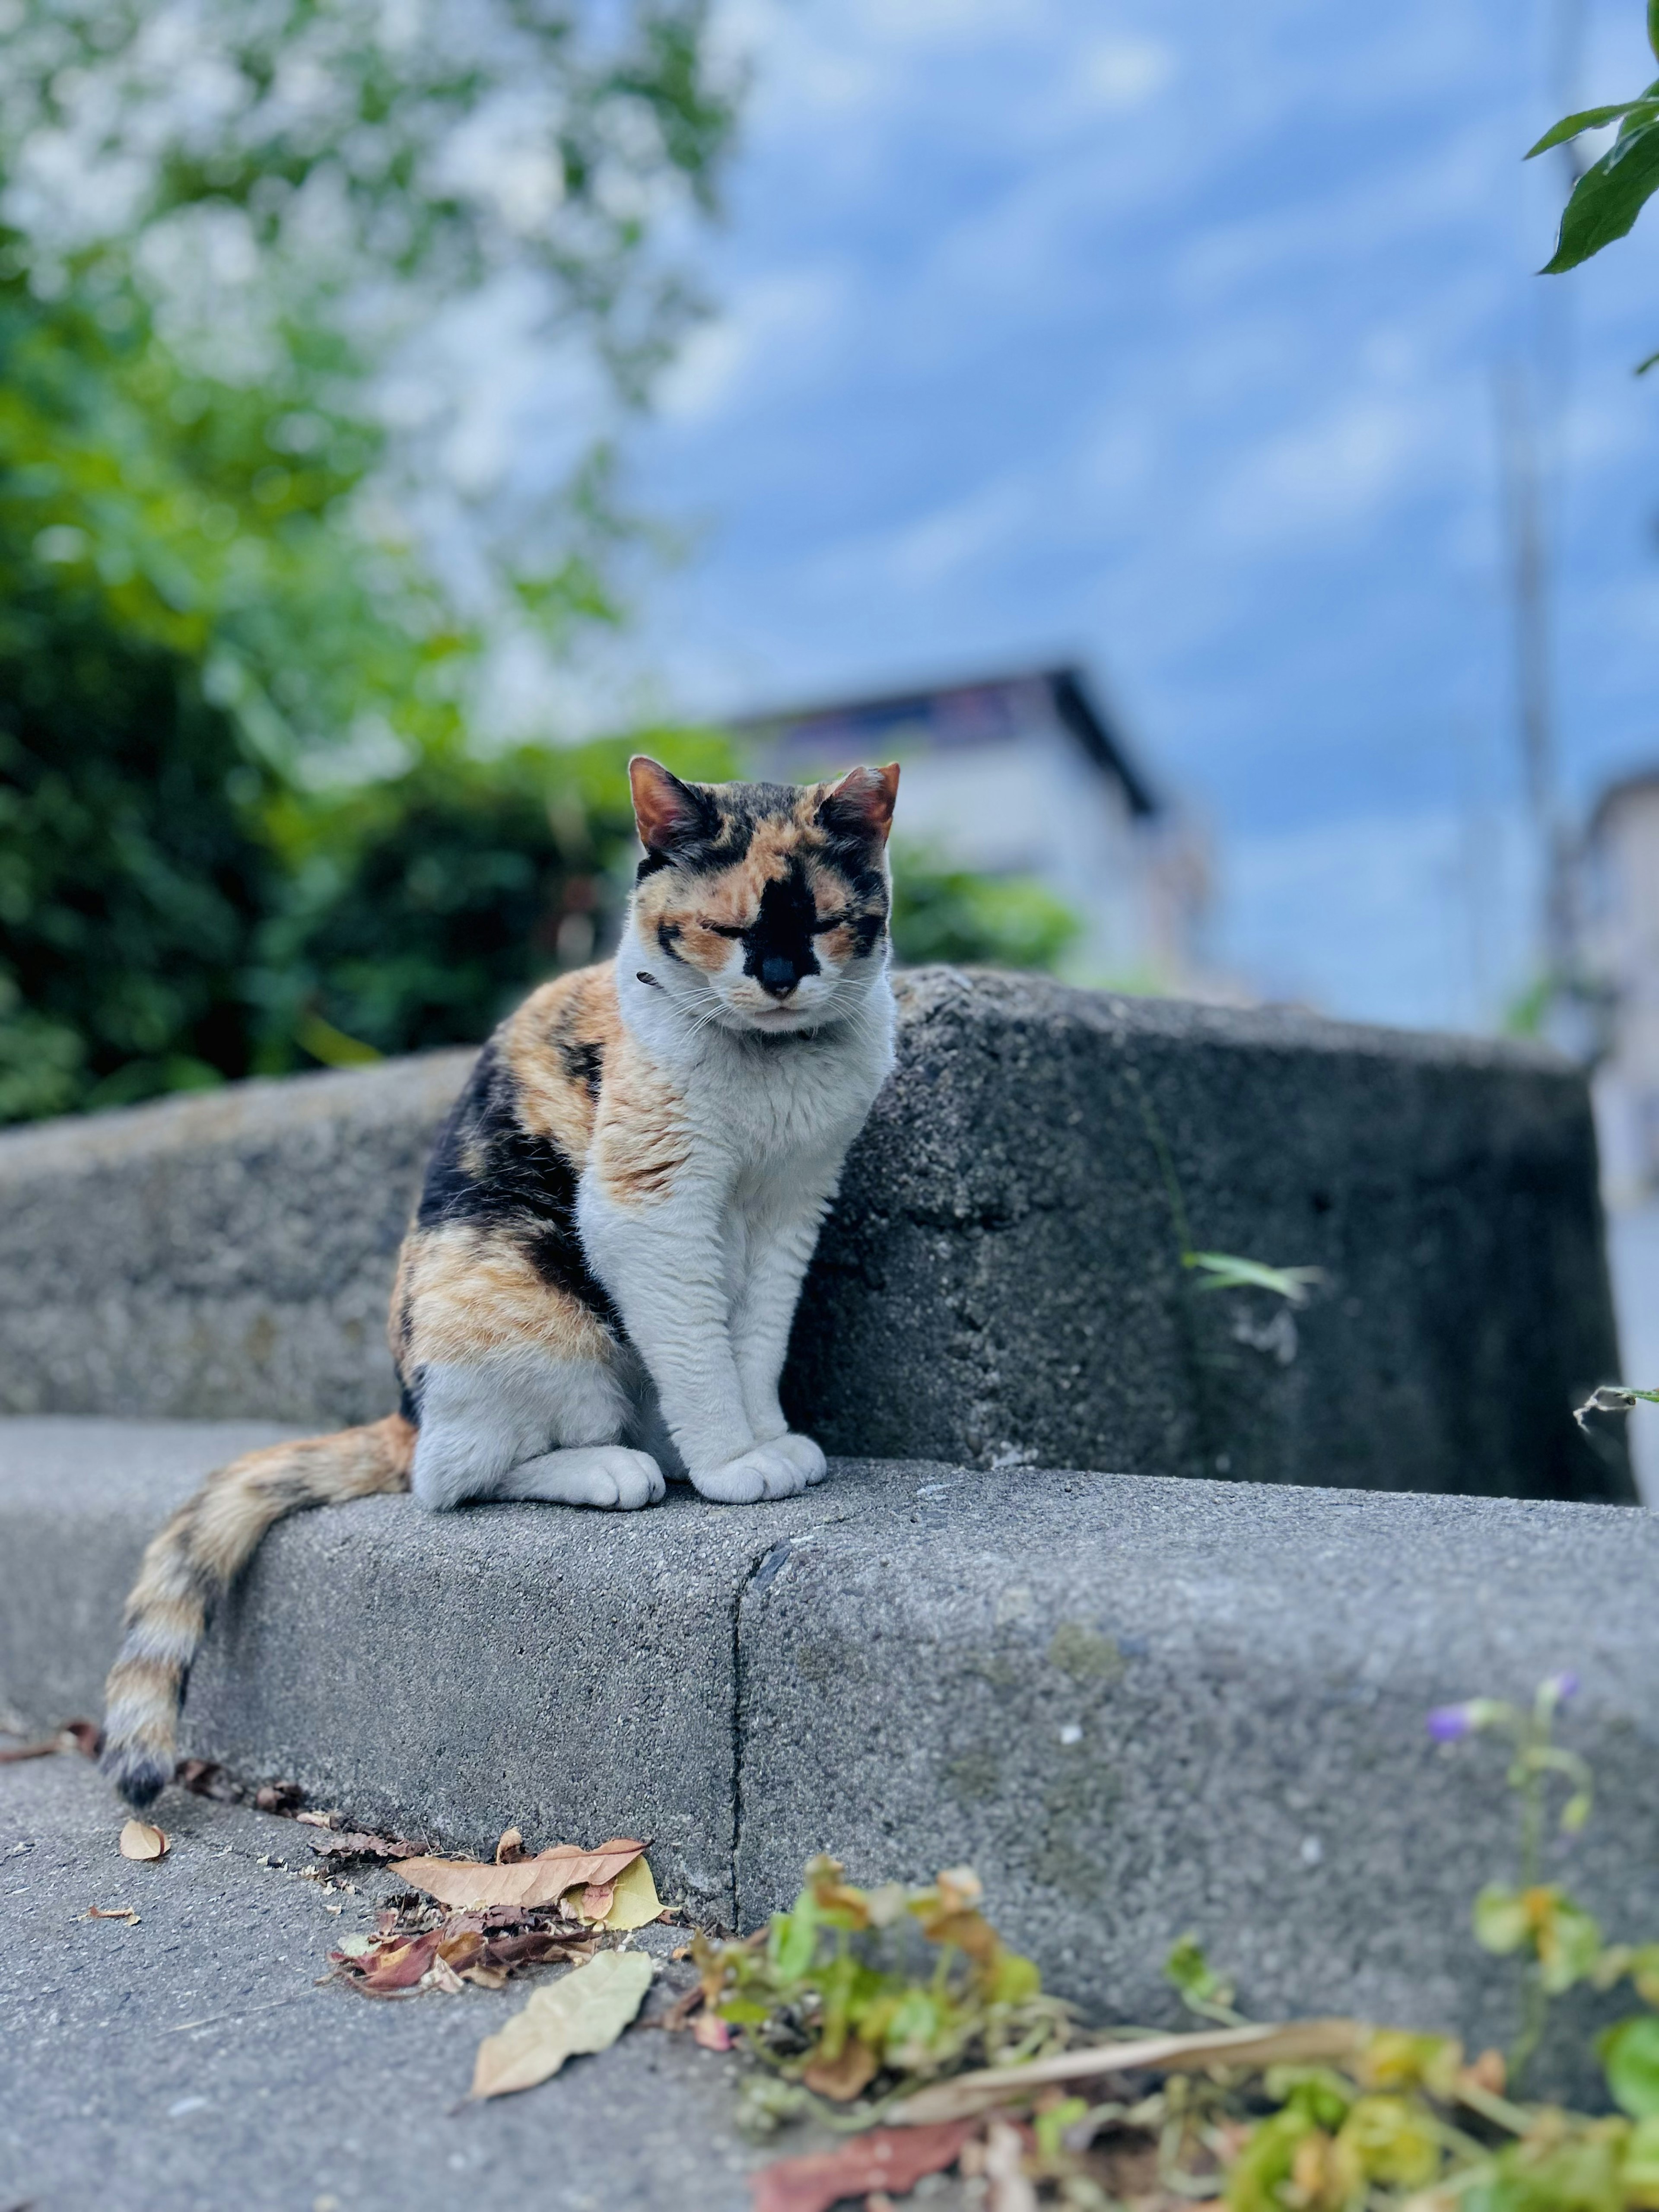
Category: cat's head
<point>763,906</point>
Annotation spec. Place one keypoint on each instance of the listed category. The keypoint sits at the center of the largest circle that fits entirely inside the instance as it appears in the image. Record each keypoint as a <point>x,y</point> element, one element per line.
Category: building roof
<point>942,717</point>
<point>1626,786</point>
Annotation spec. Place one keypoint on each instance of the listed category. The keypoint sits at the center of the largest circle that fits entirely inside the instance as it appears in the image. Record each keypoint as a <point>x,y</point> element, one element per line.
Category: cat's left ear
<point>862,802</point>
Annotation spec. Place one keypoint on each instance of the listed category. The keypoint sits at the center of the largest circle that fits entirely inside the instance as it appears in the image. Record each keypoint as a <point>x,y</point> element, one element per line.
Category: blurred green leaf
<point>1607,198</point>
<point>1630,2056</point>
<point>1644,109</point>
<point>1226,1271</point>
<point>1500,1919</point>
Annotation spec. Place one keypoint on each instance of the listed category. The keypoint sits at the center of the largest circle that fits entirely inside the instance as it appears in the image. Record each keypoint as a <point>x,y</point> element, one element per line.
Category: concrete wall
<point>1001,1282</point>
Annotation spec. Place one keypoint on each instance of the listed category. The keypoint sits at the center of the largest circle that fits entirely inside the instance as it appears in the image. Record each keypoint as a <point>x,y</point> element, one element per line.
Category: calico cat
<point>598,1285</point>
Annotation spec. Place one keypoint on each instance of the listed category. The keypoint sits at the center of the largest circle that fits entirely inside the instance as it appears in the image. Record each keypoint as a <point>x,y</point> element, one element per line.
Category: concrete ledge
<point>1000,1283</point>
<point>1137,1706</point>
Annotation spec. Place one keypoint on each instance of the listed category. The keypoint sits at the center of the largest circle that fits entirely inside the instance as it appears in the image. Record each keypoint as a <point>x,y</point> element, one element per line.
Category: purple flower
<point>1560,1687</point>
<point>1448,1723</point>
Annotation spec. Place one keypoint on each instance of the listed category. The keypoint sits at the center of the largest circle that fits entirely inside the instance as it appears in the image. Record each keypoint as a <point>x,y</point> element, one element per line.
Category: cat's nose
<point>778,975</point>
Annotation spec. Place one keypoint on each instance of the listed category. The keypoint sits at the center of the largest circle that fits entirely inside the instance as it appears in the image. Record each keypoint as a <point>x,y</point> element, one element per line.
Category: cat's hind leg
<point>605,1475</point>
<point>527,1423</point>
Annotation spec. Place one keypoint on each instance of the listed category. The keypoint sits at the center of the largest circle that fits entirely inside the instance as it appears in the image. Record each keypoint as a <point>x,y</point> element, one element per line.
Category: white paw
<point>608,1476</point>
<point>767,1471</point>
<point>805,1454</point>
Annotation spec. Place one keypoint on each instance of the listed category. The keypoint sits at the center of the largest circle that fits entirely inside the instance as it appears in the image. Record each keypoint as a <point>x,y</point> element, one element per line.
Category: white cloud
<point>775,328</point>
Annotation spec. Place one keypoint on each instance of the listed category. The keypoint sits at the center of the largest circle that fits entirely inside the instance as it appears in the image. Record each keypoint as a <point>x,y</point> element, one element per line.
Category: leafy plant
<point>827,1998</point>
<point>941,911</point>
<point>1612,192</point>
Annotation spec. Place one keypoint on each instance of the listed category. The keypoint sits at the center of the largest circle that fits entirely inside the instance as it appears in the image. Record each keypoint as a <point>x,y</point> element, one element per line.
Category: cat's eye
<point>830,921</point>
<point>720,928</point>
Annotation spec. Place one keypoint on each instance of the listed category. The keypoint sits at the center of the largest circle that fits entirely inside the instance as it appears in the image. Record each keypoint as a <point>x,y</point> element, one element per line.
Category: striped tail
<point>194,1560</point>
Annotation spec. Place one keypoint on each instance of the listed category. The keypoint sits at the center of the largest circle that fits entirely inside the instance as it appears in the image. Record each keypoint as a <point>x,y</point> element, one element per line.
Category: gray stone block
<point>1137,1706</point>
<point>1000,1281</point>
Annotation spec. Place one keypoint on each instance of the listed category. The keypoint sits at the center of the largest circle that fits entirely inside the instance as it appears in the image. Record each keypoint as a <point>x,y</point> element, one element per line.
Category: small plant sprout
<point>1226,1271</point>
<point>1614,1398</point>
<point>1560,1944</point>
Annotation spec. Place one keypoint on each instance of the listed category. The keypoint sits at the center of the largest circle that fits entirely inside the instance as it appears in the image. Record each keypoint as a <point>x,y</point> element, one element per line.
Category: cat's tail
<point>194,1560</point>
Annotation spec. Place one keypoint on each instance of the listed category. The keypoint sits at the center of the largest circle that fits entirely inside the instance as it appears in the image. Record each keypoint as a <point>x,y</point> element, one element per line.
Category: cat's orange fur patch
<point>468,1294</point>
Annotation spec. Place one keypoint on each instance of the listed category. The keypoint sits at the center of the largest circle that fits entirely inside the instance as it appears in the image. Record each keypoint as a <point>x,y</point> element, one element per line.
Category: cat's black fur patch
<point>777,950</point>
<point>489,1171</point>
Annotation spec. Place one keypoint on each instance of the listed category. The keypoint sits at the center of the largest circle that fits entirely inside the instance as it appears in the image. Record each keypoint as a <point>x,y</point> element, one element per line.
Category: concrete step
<point>1001,1282</point>
<point>1137,1706</point>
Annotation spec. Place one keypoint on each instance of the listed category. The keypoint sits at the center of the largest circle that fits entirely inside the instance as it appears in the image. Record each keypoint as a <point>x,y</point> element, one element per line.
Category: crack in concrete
<point>763,1569</point>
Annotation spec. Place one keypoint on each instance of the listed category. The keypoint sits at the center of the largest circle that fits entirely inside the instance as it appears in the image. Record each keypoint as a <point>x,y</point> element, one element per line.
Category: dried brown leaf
<point>711,2031</point>
<point>891,2159</point>
<point>393,1964</point>
<point>140,1840</point>
<point>597,1899</point>
<point>678,2015</point>
<point>206,1777</point>
<point>541,1881</point>
<point>358,1844</point>
<point>112,1913</point>
<point>510,1850</point>
<point>315,1820</point>
<point>842,2077</point>
<point>1301,2042</point>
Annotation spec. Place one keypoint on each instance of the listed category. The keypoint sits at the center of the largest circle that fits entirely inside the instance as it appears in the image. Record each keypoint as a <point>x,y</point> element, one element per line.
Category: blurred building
<point>1024,775</point>
<point>1621,924</point>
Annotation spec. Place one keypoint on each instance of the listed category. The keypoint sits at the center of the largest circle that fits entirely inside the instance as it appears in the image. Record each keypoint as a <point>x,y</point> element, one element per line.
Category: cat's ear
<point>862,802</point>
<point>666,812</point>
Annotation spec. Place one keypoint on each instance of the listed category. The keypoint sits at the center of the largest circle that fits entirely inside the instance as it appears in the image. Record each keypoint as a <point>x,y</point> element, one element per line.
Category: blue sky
<point>1167,336</point>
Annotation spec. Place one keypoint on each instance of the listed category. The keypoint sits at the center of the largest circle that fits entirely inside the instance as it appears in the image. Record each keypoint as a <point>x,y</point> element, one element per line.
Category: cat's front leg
<point>783,1234</point>
<point>664,1262</point>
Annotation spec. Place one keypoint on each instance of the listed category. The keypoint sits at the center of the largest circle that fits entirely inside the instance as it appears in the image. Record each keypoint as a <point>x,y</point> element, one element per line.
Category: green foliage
<point>1629,2053</point>
<point>831,2000</point>
<point>1612,192</point>
<point>417,910</point>
<point>946,913</point>
<point>229,226</point>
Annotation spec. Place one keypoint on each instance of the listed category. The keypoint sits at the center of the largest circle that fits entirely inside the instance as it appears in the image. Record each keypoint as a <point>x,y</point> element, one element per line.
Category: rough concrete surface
<point>1000,1281</point>
<point>190,2063</point>
<point>1137,1706</point>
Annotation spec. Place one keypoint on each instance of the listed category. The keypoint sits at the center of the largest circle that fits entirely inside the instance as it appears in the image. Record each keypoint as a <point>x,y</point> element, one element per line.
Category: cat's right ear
<point>666,812</point>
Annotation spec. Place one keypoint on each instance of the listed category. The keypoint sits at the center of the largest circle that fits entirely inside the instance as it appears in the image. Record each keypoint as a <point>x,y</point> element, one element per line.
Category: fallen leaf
<point>510,1850</point>
<point>393,1965</point>
<point>711,2031</point>
<point>139,1840</point>
<point>314,1819</point>
<point>441,1975</point>
<point>584,2011</point>
<point>533,1949</point>
<point>889,2158</point>
<point>114,1912</point>
<point>206,1777</point>
<point>357,1843</point>
<point>844,2076</point>
<point>466,1883</point>
<point>596,1899</point>
<point>1301,2042</point>
<point>634,1899</point>
<point>84,1736</point>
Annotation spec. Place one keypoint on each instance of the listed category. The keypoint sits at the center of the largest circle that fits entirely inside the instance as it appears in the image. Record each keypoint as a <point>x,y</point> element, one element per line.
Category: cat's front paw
<point>806,1455</point>
<point>765,1471</point>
